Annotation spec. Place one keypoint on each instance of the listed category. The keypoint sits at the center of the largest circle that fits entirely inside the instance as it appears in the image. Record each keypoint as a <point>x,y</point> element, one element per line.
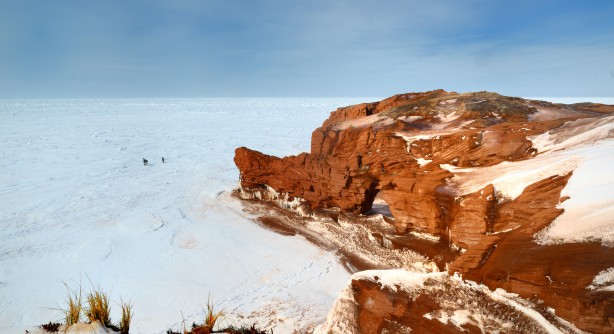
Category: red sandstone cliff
<point>409,151</point>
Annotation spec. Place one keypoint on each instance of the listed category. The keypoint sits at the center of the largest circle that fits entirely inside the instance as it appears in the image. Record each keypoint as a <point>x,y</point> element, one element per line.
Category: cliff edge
<point>506,192</point>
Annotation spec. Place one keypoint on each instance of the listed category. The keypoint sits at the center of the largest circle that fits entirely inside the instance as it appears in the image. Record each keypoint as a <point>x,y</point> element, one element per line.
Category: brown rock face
<point>404,150</point>
<point>556,274</point>
<point>474,216</point>
<point>376,148</point>
<point>380,309</point>
<point>398,301</point>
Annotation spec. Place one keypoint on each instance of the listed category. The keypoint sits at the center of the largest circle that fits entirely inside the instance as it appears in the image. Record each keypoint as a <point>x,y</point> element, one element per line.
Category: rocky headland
<point>469,203</point>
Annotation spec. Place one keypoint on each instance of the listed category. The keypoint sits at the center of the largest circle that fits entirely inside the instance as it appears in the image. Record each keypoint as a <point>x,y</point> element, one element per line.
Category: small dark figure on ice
<point>145,162</point>
<point>162,159</point>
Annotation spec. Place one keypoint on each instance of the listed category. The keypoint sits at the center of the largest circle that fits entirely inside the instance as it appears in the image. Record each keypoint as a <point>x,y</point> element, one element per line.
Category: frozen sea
<point>78,207</point>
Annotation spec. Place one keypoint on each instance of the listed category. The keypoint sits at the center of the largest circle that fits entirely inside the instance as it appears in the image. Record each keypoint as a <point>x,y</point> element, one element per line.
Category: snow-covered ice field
<point>77,205</point>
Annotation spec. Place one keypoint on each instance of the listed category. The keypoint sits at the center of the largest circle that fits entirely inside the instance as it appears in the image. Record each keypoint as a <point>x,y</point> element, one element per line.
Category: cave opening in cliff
<point>380,206</point>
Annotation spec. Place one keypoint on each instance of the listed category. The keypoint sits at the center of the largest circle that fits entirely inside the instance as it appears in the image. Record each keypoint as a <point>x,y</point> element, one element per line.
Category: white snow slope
<point>584,146</point>
<point>77,205</point>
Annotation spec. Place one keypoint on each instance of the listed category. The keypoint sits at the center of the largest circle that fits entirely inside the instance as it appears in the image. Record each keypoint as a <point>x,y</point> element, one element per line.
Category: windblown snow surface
<point>77,205</point>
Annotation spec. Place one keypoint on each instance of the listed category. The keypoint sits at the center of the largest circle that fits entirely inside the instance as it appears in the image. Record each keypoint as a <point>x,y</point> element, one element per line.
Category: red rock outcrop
<point>557,274</point>
<point>350,163</point>
<point>434,303</point>
<point>404,150</point>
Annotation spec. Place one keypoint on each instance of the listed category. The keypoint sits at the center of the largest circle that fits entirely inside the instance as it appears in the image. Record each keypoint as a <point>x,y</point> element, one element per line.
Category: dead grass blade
<point>99,308</point>
<point>72,314</point>
<point>124,324</point>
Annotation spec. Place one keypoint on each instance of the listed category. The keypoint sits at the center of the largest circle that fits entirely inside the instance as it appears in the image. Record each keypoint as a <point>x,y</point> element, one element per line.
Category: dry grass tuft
<point>72,314</point>
<point>211,316</point>
<point>124,324</point>
<point>99,309</point>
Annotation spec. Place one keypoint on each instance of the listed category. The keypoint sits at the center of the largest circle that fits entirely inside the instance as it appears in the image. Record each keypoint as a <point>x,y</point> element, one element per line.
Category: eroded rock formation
<point>395,301</point>
<point>411,151</point>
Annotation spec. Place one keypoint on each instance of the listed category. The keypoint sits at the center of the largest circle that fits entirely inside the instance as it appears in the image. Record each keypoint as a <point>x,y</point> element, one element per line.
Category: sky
<point>294,48</point>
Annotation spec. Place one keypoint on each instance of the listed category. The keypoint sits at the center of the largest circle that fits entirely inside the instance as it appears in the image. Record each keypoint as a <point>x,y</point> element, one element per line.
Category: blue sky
<point>278,48</point>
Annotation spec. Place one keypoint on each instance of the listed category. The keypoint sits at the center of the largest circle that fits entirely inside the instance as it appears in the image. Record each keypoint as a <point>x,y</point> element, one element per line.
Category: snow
<point>410,119</point>
<point>458,318</point>
<point>422,161</point>
<point>576,99</point>
<point>297,204</point>
<point>77,205</point>
<point>548,113</point>
<point>410,137</point>
<point>510,178</point>
<point>371,120</point>
<point>460,303</point>
<point>342,316</point>
<point>426,236</point>
<point>604,281</point>
<point>448,118</point>
<point>94,328</point>
<point>455,169</point>
<point>591,192</point>
<point>590,188</point>
<point>395,279</point>
<point>584,147</point>
<point>509,298</point>
<point>575,133</point>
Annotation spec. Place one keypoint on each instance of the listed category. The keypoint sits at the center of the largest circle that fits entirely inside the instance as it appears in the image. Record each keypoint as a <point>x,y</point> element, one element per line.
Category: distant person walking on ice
<point>162,159</point>
<point>145,162</point>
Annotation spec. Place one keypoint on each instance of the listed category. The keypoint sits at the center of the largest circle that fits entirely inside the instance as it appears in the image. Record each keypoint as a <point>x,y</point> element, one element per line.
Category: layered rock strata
<point>410,151</point>
<point>397,301</point>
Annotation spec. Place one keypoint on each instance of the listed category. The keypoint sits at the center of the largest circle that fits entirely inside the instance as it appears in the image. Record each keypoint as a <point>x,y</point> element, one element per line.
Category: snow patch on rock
<point>282,200</point>
<point>95,327</point>
<point>447,118</point>
<point>591,199</point>
<point>458,318</point>
<point>509,178</point>
<point>410,119</point>
<point>426,236</point>
<point>395,279</point>
<point>371,120</point>
<point>458,303</point>
<point>423,162</point>
<point>574,134</point>
<point>342,317</point>
<point>604,281</point>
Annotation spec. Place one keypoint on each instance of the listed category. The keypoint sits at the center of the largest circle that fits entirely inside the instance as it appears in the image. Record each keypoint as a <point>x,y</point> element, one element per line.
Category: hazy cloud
<point>304,48</point>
